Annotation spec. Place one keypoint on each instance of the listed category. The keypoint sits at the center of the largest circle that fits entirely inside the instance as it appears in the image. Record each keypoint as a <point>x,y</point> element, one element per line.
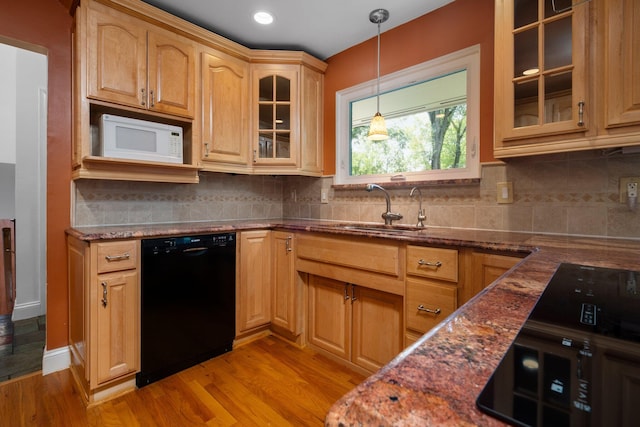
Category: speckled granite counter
<point>437,380</point>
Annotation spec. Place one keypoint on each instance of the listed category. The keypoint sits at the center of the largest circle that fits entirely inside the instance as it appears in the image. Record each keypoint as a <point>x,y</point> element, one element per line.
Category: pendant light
<point>378,129</point>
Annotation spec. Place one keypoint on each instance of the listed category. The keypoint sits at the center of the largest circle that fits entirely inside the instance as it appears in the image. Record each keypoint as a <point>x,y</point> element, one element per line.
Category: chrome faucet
<point>421,215</point>
<point>388,216</point>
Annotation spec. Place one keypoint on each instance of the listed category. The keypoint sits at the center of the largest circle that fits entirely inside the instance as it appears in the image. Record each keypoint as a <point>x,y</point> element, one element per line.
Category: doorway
<point>23,118</point>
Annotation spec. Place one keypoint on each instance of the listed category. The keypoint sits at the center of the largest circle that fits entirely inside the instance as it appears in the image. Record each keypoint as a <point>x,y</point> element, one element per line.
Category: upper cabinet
<point>240,110</point>
<point>276,115</point>
<point>287,119</point>
<point>133,63</point>
<point>225,113</point>
<point>540,72</point>
<point>622,62</point>
<point>127,66</point>
<point>564,76</point>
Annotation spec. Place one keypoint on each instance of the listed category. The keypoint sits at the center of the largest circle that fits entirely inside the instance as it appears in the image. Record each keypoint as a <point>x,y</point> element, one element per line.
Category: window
<point>432,115</point>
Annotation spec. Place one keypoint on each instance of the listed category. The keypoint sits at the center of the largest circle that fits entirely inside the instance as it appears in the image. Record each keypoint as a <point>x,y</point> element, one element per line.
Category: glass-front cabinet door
<point>275,112</point>
<point>540,68</point>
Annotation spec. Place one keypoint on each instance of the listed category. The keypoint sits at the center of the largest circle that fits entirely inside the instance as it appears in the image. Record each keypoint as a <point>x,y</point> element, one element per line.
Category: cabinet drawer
<point>116,256</point>
<point>422,296</point>
<point>435,263</point>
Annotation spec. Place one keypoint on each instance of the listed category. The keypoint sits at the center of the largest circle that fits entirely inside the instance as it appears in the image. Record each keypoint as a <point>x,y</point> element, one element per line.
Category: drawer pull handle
<point>287,243</point>
<point>429,263</point>
<point>117,257</point>
<point>428,310</point>
<point>104,294</point>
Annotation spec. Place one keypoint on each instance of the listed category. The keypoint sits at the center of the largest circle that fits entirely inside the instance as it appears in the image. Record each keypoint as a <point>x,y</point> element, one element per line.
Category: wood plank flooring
<point>268,382</point>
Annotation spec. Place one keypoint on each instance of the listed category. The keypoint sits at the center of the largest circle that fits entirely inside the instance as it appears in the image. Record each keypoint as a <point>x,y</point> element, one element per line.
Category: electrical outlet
<point>632,189</point>
<point>624,185</point>
<point>324,196</point>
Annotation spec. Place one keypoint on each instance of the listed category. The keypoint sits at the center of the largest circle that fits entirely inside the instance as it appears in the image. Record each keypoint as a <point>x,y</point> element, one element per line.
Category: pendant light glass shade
<point>378,128</point>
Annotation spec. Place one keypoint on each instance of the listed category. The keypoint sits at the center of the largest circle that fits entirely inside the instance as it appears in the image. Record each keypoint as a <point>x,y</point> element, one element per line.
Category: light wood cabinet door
<point>311,122</point>
<point>622,62</point>
<point>285,295</point>
<point>253,307</point>
<point>116,306</point>
<point>225,111</point>
<point>171,74</point>
<point>117,57</point>
<point>329,321</point>
<point>377,327</point>
<point>275,130</point>
<point>358,324</point>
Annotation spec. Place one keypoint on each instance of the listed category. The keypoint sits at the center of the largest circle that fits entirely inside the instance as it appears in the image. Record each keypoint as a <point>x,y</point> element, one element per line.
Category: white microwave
<point>126,138</point>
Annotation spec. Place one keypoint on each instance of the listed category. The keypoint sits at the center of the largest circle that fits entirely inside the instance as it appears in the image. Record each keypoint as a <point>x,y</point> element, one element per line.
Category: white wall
<point>8,71</point>
<point>7,131</point>
<point>24,76</point>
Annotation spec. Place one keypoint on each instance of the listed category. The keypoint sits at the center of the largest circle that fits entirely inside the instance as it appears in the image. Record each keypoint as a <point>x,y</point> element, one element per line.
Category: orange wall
<point>460,24</point>
<point>46,26</point>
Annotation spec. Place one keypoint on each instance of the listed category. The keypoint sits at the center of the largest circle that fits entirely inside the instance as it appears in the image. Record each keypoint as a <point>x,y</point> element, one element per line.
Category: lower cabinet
<point>486,267</point>
<point>358,324</point>
<point>104,311</point>
<point>253,293</point>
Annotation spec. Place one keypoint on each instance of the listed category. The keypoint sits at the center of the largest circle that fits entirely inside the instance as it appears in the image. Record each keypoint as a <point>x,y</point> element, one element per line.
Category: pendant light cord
<point>378,79</point>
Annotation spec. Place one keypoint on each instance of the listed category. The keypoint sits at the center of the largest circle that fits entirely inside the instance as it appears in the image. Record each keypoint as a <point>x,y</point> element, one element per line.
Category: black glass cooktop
<point>576,361</point>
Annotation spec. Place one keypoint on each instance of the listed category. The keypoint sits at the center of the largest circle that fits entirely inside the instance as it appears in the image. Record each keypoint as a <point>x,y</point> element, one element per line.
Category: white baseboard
<point>27,310</point>
<point>55,360</point>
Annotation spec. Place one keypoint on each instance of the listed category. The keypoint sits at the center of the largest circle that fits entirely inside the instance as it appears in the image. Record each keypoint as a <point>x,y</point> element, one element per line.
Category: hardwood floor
<point>267,382</point>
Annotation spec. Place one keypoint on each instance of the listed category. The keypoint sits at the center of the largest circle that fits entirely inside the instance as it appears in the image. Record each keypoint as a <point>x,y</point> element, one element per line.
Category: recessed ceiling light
<point>264,18</point>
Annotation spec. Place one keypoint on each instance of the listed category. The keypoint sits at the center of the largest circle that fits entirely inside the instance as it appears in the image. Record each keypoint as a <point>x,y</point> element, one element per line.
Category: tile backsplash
<point>572,193</point>
<point>216,197</point>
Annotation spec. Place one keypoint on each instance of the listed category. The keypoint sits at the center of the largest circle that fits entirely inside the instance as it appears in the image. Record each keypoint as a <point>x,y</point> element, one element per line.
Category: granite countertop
<point>436,381</point>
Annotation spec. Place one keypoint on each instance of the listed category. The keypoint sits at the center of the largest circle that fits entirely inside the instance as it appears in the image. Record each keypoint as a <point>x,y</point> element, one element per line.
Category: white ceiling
<point>321,27</point>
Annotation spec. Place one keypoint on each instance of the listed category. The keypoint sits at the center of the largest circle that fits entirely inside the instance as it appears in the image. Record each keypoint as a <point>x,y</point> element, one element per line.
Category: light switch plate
<point>324,196</point>
<point>504,192</point>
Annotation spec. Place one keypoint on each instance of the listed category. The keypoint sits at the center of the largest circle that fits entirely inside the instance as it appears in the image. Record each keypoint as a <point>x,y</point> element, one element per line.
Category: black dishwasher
<point>187,302</point>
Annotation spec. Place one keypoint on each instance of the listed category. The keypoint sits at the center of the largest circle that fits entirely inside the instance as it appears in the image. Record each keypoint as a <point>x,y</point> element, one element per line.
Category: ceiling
<point>321,28</point>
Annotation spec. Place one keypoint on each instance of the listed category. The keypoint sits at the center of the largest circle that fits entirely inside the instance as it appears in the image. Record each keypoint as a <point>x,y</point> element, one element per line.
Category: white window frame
<point>469,59</point>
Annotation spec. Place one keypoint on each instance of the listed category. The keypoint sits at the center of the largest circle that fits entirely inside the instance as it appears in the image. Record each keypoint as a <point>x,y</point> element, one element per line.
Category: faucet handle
<point>389,217</point>
<point>421,218</point>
